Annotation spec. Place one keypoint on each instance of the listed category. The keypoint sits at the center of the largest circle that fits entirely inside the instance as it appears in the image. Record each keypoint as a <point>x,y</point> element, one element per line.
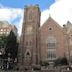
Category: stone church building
<point>43,43</point>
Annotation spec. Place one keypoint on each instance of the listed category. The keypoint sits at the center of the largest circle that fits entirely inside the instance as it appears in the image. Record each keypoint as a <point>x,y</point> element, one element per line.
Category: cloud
<point>57,0</point>
<point>61,11</point>
<point>19,22</point>
<point>10,14</point>
<point>44,16</point>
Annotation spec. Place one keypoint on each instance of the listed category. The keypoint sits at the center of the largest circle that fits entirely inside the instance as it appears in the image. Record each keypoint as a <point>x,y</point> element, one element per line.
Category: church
<point>42,43</point>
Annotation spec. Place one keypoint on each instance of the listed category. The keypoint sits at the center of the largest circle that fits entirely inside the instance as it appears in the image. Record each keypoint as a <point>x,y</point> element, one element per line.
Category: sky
<point>43,4</point>
<point>13,11</point>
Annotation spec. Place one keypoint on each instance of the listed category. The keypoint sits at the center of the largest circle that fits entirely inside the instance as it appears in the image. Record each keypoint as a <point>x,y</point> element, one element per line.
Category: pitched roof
<point>50,19</point>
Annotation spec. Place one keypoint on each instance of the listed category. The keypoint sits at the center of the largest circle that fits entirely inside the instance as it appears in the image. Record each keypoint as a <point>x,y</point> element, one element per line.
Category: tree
<point>3,40</point>
<point>11,45</point>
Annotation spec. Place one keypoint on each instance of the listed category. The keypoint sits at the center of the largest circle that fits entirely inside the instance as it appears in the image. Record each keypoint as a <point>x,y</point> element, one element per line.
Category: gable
<point>51,22</point>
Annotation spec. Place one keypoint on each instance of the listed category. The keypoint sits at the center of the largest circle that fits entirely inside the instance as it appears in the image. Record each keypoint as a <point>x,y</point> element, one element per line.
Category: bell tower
<point>29,53</point>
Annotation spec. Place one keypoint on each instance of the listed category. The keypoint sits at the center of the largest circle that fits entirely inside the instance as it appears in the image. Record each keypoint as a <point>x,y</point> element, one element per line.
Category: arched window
<point>51,42</point>
<point>51,55</point>
<point>27,53</point>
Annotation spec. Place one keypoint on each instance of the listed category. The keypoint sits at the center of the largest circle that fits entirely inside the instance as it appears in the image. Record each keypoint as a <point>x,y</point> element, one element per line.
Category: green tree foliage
<point>11,45</point>
<point>61,61</point>
<point>44,63</point>
<point>3,40</point>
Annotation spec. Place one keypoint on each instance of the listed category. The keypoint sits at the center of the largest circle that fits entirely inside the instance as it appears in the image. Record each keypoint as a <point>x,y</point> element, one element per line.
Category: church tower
<point>29,53</point>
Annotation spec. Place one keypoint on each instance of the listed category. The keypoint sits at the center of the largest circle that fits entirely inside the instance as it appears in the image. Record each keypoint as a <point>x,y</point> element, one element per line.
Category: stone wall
<point>36,71</point>
<point>55,71</point>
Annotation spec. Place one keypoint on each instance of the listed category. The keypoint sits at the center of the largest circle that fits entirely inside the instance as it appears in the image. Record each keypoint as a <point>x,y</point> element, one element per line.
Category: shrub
<point>44,63</point>
<point>61,61</point>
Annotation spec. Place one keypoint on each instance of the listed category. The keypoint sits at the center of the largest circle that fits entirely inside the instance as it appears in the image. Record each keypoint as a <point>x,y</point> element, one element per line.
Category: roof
<point>50,19</point>
<point>4,24</point>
